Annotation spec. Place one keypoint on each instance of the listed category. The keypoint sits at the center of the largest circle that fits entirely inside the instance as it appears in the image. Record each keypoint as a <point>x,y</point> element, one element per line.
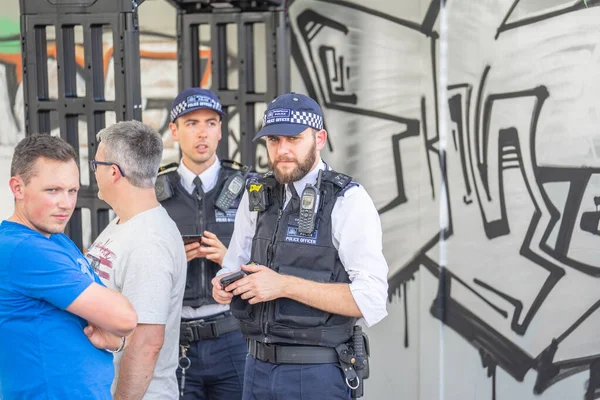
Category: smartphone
<point>187,239</point>
<point>229,279</point>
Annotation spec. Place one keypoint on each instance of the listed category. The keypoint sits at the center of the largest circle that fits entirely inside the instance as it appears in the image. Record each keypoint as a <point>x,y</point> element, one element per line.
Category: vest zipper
<point>200,224</point>
<point>268,307</point>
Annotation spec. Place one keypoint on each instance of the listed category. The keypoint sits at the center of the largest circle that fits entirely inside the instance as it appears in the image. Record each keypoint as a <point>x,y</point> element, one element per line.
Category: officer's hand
<point>220,296</point>
<point>262,285</point>
<point>212,248</point>
<point>192,251</point>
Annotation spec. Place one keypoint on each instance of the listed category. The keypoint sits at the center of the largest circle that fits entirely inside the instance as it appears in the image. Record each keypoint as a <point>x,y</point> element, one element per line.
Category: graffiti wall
<point>475,128</point>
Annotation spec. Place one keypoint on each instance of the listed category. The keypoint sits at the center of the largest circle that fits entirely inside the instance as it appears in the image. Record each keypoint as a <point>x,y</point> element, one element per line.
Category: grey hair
<point>136,147</point>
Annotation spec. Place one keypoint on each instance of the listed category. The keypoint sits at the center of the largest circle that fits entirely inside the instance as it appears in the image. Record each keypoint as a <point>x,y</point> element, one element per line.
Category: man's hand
<point>101,338</point>
<point>263,284</point>
<point>192,251</point>
<point>212,248</point>
<point>220,295</point>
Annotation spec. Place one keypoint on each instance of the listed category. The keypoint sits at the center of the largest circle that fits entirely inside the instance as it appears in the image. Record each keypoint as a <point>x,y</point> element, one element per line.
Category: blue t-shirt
<point>44,353</point>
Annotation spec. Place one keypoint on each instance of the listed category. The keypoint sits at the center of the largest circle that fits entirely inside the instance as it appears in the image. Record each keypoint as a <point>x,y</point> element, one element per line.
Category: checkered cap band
<point>287,116</point>
<point>194,102</point>
<point>178,109</point>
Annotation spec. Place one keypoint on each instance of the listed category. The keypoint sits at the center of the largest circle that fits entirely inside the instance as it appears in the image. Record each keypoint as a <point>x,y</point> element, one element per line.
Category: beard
<point>302,168</point>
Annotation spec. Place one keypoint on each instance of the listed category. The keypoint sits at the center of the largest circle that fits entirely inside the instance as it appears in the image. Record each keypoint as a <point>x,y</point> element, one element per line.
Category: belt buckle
<point>269,352</point>
<point>189,329</point>
<point>187,333</point>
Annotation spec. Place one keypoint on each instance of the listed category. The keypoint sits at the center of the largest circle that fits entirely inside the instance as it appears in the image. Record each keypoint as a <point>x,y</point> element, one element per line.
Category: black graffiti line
<point>574,199</point>
<point>563,373</point>
<point>432,266</point>
<point>405,315</point>
<point>334,97</point>
<point>302,18</point>
<point>540,92</point>
<point>310,16</point>
<point>342,79</point>
<point>552,372</point>
<point>446,233</point>
<point>538,18</point>
<point>498,227</point>
<point>335,65</point>
<point>401,196</point>
<point>506,17</point>
<point>428,145</point>
<point>479,334</point>
<point>407,272</point>
<point>435,92</point>
<point>305,76</point>
<point>462,124</point>
<point>563,174</point>
<point>555,272</point>
<point>579,321</point>
<point>593,382</point>
<point>506,138</point>
<point>430,18</point>
<point>314,32</point>
<point>514,302</point>
<point>478,116</point>
<point>493,306</point>
<point>430,142</point>
<point>370,11</point>
<point>306,17</point>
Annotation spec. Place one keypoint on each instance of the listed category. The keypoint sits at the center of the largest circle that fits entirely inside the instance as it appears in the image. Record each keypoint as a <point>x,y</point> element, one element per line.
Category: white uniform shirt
<point>209,180</point>
<point>356,231</point>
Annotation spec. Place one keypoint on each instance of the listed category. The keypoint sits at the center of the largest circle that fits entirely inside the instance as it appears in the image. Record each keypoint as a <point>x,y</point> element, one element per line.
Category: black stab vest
<point>278,245</point>
<point>193,216</point>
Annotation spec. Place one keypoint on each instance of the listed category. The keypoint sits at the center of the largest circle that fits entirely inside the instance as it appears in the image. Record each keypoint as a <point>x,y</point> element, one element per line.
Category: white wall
<point>515,202</point>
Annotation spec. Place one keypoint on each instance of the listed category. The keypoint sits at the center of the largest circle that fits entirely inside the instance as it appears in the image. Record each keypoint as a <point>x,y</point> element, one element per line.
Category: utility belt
<point>352,357</point>
<point>193,330</point>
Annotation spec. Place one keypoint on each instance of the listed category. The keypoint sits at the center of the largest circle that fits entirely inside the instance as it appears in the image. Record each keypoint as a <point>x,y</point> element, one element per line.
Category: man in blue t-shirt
<point>56,318</point>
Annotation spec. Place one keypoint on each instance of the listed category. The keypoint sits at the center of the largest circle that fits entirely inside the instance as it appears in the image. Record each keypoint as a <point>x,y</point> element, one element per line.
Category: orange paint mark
<point>107,53</point>
<point>16,60</point>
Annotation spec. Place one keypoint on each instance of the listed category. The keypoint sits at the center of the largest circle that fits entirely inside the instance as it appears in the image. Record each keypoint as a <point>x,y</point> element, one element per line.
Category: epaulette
<point>338,179</point>
<point>343,182</point>
<point>168,168</point>
<point>162,187</point>
<point>235,165</point>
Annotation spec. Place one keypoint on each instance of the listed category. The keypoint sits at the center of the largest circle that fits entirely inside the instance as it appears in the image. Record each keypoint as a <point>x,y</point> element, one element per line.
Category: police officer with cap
<point>309,242</point>
<point>201,195</point>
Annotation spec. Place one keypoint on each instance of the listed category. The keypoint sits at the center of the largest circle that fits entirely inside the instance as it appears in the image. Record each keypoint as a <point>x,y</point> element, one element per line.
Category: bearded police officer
<point>308,240</point>
<point>201,195</point>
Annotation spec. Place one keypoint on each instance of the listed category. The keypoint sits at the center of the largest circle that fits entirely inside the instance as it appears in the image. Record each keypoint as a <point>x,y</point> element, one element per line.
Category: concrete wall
<point>483,164</point>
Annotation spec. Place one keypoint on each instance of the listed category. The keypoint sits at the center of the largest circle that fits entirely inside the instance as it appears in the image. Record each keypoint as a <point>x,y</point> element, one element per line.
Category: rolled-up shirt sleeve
<point>358,239</point>
<point>240,247</point>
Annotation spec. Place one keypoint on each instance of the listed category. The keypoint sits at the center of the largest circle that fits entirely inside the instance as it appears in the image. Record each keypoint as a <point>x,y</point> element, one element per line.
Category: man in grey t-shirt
<point>140,254</point>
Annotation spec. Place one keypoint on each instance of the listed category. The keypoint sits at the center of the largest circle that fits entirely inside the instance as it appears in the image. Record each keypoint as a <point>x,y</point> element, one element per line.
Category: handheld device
<point>308,208</point>
<point>229,279</point>
<point>187,239</point>
<point>232,188</point>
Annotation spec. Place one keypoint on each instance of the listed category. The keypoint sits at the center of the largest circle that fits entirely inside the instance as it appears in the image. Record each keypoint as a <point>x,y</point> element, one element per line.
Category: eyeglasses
<point>94,165</point>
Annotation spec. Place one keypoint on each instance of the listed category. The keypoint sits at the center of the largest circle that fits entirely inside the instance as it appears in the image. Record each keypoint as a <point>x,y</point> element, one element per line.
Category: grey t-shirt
<point>144,259</point>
